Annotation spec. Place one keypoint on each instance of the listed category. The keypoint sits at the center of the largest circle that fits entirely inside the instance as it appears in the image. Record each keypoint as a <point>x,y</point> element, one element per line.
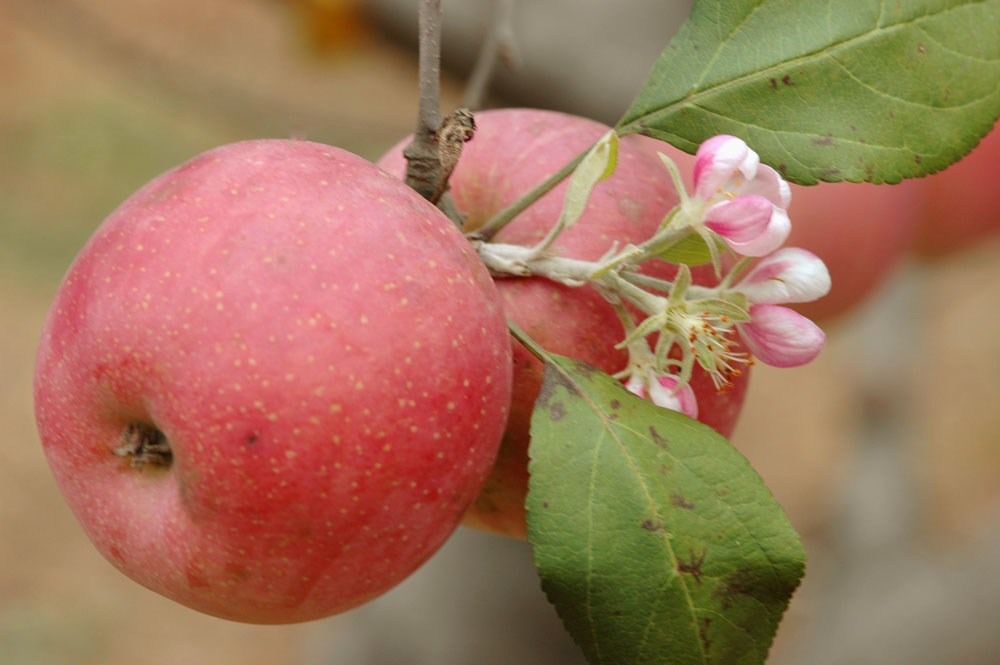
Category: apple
<point>511,152</point>
<point>960,204</point>
<point>272,382</point>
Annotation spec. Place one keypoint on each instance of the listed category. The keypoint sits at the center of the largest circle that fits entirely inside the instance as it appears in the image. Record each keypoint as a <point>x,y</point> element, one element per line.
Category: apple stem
<point>507,215</point>
<point>528,343</point>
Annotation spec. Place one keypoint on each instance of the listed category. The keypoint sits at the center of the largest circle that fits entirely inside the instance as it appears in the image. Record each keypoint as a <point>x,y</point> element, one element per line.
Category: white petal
<point>718,159</point>
<point>661,393</point>
<point>769,184</point>
<point>637,385</point>
<point>789,275</point>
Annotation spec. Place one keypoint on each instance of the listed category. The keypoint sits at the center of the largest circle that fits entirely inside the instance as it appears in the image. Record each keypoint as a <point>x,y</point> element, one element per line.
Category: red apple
<point>512,151</point>
<point>962,203</point>
<point>272,382</point>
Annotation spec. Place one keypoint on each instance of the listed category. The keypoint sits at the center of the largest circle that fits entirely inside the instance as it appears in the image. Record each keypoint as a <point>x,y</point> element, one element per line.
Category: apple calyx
<point>145,444</point>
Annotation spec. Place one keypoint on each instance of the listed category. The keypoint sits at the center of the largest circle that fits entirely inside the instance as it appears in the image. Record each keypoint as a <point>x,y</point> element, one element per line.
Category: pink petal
<point>770,185</point>
<point>781,337</point>
<point>751,225</point>
<point>773,237</point>
<point>661,393</point>
<point>717,160</point>
<point>741,220</point>
<point>789,275</point>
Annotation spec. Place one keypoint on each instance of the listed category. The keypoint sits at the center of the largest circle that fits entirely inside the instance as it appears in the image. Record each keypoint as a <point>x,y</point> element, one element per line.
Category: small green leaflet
<point>857,90</point>
<point>654,538</point>
<point>598,164</point>
<point>692,251</point>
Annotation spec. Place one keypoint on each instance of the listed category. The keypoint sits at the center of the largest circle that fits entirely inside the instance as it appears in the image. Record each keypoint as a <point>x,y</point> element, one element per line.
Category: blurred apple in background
<point>962,203</point>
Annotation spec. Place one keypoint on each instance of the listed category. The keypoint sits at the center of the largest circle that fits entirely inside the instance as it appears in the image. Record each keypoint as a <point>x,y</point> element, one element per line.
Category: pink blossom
<point>789,275</point>
<point>718,161</point>
<point>750,224</point>
<point>661,392</point>
<point>743,200</point>
<point>781,337</point>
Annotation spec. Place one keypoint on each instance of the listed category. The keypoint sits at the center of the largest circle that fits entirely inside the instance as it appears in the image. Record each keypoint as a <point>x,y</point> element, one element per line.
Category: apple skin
<point>511,152</point>
<point>961,204</point>
<point>326,356</point>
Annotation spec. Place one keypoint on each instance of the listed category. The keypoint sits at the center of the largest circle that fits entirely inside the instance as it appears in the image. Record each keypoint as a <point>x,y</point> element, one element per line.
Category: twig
<point>436,145</point>
<point>498,45</point>
<point>423,170</point>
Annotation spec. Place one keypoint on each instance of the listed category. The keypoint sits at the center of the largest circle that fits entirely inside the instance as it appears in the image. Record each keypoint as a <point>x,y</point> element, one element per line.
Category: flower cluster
<point>744,203</point>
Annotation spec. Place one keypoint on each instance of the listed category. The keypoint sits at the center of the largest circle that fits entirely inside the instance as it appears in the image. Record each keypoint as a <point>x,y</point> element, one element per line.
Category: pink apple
<point>962,203</point>
<point>272,382</point>
<point>513,150</point>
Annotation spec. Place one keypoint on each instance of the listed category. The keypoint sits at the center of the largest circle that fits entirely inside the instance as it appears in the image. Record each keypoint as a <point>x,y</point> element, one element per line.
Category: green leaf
<point>654,538</point>
<point>691,250</point>
<point>598,164</point>
<point>855,90</point>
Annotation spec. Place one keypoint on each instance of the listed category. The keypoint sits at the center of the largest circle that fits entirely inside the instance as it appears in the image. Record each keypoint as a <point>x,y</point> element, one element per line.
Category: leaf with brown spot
<point>654,538</point>
<point>883,81</point>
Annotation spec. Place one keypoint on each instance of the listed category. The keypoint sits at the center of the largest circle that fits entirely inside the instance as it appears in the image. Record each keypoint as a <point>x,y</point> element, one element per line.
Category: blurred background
<point>885,451</point>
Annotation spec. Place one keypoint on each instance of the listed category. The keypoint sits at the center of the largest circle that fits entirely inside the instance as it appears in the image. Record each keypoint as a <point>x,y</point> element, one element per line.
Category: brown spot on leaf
<point>660,442</point>
<point>787,80</point>
<point>916,158</point>
<point>650,525</point>
<point>615,404</point>
<point>826,140</point>
<point>703,627</point>
<point>585,370</point>
<point>693,565</point>
<point>557,412</point>
<point>554,377</point>
<point>677,499</point>
<point>774,84</point>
